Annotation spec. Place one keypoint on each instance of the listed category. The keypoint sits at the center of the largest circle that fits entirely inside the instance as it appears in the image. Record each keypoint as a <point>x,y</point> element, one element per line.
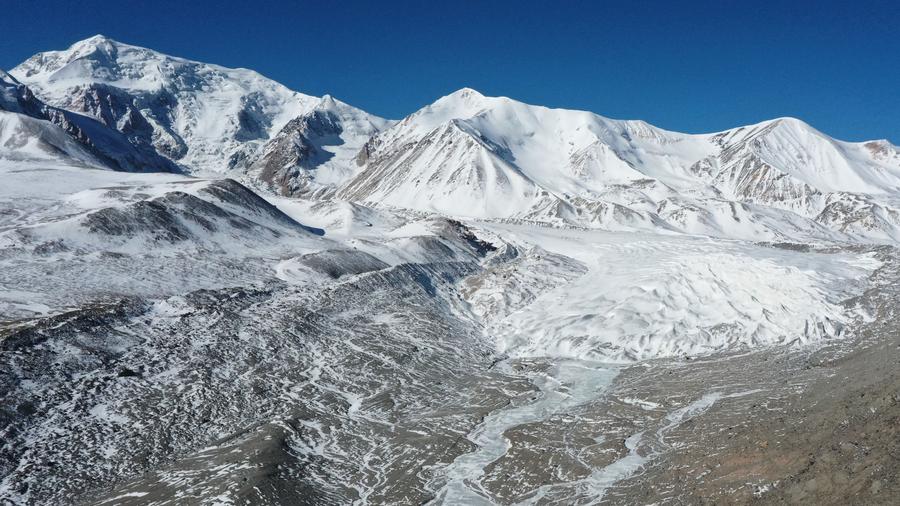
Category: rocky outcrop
<point>109,146</point>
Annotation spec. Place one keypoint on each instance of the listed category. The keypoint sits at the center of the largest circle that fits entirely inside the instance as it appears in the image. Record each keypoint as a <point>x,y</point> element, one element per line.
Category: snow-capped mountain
<point>472,155</point>
<point>206,117</point>
<point>564,153</point>
<point>486,157</point>
<point>32,130</point>
<point>785,161</point>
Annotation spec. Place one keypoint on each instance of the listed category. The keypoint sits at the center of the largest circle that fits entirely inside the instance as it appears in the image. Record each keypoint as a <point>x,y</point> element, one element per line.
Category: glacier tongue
<point>648,296</point>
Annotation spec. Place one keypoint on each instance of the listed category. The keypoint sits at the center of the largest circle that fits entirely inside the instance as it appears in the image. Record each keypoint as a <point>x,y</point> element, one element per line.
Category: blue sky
<point>696,67</point>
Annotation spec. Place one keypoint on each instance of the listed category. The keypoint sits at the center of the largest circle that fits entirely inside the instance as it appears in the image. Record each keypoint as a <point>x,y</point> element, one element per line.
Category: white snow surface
<point>23,138</point>
<point>52,259</point>
<point>647,296</point>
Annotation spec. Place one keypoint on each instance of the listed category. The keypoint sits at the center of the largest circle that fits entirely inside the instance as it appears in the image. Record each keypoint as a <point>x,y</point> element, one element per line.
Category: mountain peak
<point>232,109</point>
<point>84,57</point>
<point>462,103</point>
<point>327,103</point>
<point>467,96</point>
<point>790,122</point>
<point>467,93</point>
<point>464,96</point>
<point>95,39</point>
<point>94,43</point>
<point>777,126</point>
<point>796,127</point>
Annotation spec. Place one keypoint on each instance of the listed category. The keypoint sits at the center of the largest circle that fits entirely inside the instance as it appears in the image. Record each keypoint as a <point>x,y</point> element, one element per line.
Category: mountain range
<point>469,155</point>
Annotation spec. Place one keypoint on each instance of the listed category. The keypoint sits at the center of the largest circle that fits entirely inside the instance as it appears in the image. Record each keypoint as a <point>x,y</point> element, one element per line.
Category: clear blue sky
<point>697,67</point>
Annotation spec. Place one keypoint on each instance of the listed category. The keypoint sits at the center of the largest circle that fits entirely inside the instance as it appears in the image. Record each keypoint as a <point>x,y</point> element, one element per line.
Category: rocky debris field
<point>367,389</point>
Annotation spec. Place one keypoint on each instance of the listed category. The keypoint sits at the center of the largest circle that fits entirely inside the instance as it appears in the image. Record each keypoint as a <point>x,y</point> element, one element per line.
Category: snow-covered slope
<point>497,148</point>
<point>32,130</point>
<point>646,296</point>
<point>75,234</point>
<point>25,138</point>
<point>785,159</point>
<point>208,118</point>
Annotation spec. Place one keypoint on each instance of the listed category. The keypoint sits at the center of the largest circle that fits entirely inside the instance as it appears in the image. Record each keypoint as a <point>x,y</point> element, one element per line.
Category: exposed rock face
<point>313,155</point>
<point>296,150</point>
<point>117,109</point>
<point>339,263</point>
<point>226,207</point>
<point>111,148</point>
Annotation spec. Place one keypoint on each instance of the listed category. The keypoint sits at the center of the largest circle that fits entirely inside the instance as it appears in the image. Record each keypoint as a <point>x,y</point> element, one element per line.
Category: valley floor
<point>377,357</point>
